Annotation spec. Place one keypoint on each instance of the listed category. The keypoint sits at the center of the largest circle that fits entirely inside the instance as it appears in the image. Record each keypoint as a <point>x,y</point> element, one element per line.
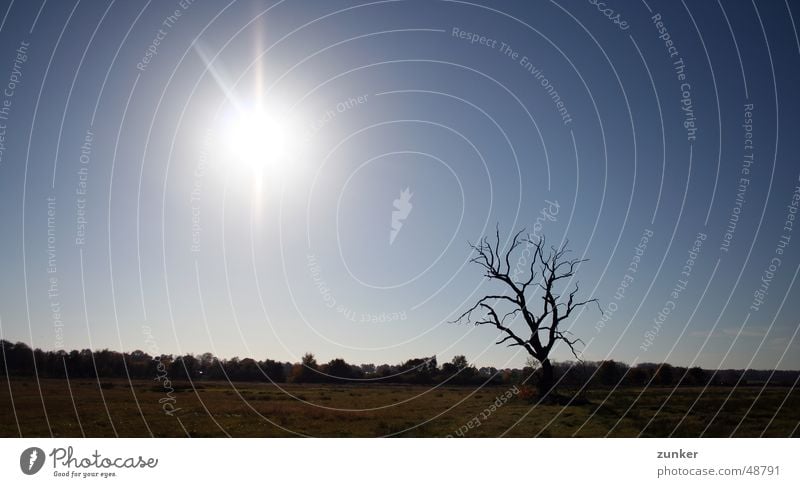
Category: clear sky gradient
<point>130,215</point>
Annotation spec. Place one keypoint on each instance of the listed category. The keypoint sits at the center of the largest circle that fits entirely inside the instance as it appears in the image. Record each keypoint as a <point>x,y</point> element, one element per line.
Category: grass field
<point>263,410</point>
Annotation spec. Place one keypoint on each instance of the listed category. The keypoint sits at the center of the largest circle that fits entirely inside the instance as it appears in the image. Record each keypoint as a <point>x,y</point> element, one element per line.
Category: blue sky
<point>554,108</point>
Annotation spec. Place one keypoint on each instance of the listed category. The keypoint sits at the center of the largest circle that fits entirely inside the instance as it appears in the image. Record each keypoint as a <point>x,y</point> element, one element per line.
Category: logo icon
<point>31,460</point>
<point>402,209</point>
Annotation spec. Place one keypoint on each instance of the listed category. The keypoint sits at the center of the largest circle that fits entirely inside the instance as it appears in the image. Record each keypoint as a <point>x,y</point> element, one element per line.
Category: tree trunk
<point>546,382</point>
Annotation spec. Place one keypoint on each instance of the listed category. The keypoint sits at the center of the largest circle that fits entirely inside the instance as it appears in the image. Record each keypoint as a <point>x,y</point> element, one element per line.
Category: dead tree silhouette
<point>546,271</point>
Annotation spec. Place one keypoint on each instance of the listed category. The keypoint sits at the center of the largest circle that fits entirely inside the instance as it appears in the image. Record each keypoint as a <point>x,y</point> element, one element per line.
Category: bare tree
<point>546,271</point>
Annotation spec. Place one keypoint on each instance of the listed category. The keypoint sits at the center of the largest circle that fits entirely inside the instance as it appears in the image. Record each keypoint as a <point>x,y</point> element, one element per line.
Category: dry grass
<point>264,410</point>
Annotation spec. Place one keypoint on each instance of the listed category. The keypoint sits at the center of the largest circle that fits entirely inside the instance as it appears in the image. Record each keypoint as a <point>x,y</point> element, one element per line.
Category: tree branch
<point>546,270</point>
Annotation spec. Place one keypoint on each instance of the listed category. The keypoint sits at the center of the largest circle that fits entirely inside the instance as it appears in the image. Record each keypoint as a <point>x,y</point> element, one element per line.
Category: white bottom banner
<point>400,462</point>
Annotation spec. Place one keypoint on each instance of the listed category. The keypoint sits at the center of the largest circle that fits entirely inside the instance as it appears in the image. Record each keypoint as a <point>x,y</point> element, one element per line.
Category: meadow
<point>109,408</point>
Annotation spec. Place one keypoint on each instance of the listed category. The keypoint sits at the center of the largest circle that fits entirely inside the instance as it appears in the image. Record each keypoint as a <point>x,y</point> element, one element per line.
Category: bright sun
<point>264,142</point>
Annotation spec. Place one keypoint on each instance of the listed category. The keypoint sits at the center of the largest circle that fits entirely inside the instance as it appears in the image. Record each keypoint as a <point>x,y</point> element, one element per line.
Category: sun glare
<point>263,141</point>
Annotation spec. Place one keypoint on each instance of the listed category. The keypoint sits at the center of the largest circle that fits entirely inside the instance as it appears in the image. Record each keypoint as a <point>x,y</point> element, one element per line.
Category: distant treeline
<point>18,359</point>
